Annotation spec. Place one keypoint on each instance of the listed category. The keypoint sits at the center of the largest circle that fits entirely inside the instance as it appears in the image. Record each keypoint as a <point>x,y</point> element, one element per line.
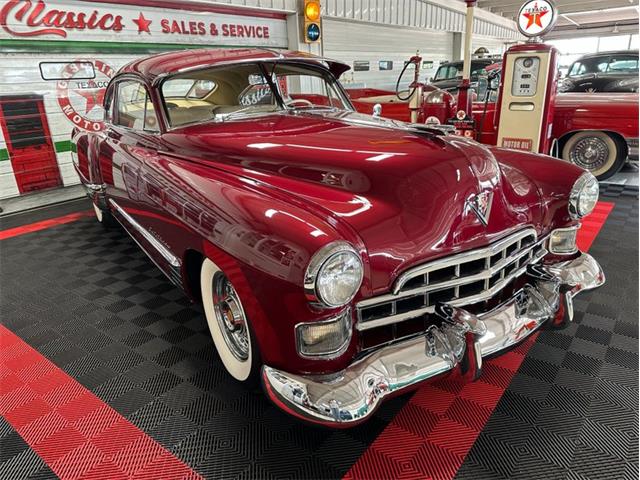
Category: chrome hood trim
<point>350,396</point>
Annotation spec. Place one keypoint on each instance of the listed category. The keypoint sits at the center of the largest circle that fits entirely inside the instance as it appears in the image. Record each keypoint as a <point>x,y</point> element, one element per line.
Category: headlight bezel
<point>576,210</point>
<point>320,259</point>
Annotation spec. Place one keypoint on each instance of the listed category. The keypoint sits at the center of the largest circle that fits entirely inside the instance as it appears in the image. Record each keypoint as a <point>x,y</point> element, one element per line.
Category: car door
<point>131,137</point>
<point>620,67</point>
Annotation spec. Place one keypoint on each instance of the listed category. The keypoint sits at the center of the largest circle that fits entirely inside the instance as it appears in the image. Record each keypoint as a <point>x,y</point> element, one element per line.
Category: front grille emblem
<point>481,205</point>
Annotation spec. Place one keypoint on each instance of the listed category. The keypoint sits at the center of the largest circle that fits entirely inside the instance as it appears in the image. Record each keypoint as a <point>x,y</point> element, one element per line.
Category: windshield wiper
<point>223,117</point>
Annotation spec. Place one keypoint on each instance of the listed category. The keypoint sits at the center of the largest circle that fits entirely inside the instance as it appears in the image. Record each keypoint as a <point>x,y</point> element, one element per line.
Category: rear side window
<point>64,70</point>
<point>623,64</point>
<point>134,108</point>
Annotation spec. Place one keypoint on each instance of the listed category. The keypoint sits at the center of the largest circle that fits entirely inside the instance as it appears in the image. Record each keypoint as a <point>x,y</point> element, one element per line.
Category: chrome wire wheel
<point>595,151</point>
<point>228,324</point>
<point>590,153</point>
<point>231,317</point>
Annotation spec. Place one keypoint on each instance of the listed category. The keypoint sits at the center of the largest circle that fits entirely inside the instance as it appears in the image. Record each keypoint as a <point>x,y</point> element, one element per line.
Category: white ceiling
<point>583,16</point>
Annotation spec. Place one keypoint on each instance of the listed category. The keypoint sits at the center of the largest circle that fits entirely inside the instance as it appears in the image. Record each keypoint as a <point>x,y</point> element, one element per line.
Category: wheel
<point>228,324</point>
<point>104,217</point>
<point>598,152</point>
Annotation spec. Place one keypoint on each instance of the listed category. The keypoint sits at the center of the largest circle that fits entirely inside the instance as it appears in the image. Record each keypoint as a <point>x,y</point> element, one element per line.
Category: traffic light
<point>311,31</point>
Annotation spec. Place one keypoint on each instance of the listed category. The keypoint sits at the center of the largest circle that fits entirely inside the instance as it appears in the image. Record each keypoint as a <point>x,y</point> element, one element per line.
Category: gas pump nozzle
<point>416,88</point>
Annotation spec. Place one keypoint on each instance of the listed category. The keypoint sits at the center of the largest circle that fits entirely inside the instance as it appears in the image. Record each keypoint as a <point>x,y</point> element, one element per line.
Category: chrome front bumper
<point>348,397</point>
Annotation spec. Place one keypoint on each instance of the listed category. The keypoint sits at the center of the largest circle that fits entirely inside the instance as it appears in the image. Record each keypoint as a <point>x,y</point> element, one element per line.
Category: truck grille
<point>462,279</point>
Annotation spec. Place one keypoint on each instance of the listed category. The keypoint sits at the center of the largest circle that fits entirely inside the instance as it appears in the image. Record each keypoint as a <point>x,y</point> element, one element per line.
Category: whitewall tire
<point>595,151</point>
<point>228,323</point>
<point>104,217</point>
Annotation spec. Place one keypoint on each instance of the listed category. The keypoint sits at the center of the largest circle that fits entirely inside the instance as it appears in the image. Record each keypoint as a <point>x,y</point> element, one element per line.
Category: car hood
<point>401,194</point>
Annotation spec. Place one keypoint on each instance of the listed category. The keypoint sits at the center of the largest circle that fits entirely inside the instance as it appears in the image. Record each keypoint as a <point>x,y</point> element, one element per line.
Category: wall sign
<point>81,99</point>
<point>93,21</point>
<point>536,17</point>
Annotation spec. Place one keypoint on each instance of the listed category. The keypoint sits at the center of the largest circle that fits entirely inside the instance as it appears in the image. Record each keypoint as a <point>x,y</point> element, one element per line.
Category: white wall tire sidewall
<point>240,370</point>
<point>99,214</point>
<point>613,149</point>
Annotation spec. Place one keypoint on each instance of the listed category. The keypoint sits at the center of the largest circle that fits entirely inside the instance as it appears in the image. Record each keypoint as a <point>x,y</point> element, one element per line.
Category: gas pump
<point>416,88</point>
<point>524,113</point>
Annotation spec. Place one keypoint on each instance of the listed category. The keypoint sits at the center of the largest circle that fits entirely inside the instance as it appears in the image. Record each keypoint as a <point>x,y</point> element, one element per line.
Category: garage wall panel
<point>448,16</point>
<point>350,41</point>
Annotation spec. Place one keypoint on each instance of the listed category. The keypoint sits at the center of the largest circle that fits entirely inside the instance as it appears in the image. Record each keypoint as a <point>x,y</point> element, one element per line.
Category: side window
<point>576,69</point>
<point>108,104</point>
<point>623,64</point>
<point>134,108</point>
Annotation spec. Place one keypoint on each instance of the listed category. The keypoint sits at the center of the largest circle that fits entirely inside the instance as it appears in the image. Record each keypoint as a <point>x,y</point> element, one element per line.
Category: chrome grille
<point>462,279</point>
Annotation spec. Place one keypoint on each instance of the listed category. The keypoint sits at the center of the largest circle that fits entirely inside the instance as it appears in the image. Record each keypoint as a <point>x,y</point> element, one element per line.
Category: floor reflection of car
<point>603,72</point>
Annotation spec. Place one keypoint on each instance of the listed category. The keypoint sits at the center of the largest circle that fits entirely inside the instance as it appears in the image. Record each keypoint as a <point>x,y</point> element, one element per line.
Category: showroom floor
<point>107,371</point>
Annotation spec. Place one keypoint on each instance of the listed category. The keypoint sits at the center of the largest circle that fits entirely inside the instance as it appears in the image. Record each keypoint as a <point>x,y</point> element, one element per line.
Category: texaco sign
<point>536,18</point>
<point>81,99</point>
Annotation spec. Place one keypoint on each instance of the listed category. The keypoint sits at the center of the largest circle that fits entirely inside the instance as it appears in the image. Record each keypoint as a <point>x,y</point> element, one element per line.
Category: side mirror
<point>377,110</point>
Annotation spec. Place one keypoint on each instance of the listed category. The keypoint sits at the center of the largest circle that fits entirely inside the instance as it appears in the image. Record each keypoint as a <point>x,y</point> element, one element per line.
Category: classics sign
<point>536,18</point>
<point>102,21</point>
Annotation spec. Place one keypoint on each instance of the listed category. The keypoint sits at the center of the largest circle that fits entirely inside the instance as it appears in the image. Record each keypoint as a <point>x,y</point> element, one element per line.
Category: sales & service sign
<point>97,21</point>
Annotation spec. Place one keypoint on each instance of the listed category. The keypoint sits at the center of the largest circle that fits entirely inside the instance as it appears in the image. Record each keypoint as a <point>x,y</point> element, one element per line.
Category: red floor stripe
<point>52,222</point>
<point>72,430</point>
<point>433,433</point>
<point>591,224</point>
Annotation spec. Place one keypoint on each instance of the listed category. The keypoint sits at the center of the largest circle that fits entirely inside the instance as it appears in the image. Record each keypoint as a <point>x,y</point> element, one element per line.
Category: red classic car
<point>596,132</point>
<point>340,258</point>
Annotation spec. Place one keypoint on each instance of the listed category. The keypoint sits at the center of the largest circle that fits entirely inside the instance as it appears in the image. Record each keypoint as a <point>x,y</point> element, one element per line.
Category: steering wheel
<point>299,100</point>
<point>411,92</point>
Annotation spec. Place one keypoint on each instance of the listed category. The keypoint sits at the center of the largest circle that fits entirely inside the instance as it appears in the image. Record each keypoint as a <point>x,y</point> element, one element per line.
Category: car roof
<point>157,66</point>
<point>611,52</point>
<point>473,60</point>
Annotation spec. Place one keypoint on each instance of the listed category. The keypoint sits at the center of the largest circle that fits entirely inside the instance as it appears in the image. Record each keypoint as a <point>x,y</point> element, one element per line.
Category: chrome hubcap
<point>230,316</point>
<point>590,153</point>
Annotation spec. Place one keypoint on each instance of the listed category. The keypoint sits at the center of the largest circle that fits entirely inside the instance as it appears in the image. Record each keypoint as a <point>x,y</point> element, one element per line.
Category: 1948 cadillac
<point>340,258</point>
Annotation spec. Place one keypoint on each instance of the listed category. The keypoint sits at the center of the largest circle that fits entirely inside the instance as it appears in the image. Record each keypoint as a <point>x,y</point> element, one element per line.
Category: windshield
<point>454,70</point>
<point>236,91</point>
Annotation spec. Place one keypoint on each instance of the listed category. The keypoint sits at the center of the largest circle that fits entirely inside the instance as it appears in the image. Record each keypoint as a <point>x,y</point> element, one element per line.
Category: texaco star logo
<point>536,17</point>
<point>81,99</point>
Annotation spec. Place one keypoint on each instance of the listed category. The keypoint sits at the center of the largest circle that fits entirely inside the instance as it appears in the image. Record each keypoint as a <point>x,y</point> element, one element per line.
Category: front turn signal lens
<point>325,338</point>
<point>562,241</point>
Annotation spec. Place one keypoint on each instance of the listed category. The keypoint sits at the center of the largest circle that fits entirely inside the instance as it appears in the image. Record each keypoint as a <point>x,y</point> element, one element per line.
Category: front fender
<point>260,241</point>
<point>553,178</point>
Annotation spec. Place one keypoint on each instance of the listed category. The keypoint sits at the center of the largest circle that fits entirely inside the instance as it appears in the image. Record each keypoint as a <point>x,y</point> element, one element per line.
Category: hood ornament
<point>481,205</point>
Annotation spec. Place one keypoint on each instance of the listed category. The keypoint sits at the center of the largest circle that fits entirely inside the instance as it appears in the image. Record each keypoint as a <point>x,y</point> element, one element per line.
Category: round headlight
<point>584,196</point>
<point>334,275</point>
<point>437,96</point>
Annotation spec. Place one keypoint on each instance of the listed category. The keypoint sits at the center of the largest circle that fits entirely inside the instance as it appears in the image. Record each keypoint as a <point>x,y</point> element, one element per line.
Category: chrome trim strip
<point>153,241</point>
<point>350,396</point>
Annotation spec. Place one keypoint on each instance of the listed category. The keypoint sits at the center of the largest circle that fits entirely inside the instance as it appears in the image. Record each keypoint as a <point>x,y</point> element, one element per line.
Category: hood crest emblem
<point>481,205</point>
